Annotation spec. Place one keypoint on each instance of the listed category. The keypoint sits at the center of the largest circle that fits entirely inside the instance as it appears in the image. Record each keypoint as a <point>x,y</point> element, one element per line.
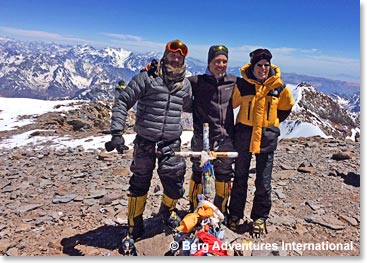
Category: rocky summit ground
<point>73,201</point>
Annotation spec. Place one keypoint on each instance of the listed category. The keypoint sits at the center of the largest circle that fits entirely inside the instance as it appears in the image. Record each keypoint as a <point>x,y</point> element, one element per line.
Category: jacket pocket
<point>269,139</point>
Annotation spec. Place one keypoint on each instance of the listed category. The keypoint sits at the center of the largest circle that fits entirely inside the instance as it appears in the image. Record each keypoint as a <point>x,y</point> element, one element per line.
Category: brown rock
<point>342,156</point>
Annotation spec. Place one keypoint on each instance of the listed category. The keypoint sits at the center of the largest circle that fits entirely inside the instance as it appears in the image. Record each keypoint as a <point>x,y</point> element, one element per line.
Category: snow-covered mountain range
<point>51,71</point>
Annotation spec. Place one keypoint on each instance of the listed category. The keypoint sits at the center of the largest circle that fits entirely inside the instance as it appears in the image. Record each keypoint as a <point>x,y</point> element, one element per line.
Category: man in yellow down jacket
<point>264,102</point>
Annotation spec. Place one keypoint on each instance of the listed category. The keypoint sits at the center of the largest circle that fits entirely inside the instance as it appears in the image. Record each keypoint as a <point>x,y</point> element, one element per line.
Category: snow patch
<point>13,108</point>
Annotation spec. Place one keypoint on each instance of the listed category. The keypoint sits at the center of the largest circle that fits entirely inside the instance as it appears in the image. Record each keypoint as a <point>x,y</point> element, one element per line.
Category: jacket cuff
<point>116,133</point>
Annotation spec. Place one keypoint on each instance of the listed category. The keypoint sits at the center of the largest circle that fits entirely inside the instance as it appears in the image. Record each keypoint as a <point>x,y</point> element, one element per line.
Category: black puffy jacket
<point>159,109</point>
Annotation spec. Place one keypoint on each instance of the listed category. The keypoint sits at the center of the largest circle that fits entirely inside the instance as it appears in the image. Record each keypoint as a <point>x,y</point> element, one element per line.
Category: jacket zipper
<point>220,109</point>
<point>249,110</point>
<point>166,112</point>
<point>268,110</point>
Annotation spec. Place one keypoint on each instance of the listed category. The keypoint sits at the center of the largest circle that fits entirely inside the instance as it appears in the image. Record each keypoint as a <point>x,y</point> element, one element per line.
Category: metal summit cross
<point>206,156</point>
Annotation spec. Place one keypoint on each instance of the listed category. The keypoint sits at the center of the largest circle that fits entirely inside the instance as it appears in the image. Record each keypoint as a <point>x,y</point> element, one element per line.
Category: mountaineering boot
<point>222,193</point>
<point>128,248</point>
<point>168,212</point>
<point>233,222</point>
<point>259,228</point>
<point>136,206</point>
<point>194,191</point>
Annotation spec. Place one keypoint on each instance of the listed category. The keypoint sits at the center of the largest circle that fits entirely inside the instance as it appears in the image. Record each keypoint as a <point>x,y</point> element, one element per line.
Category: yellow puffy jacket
<point>261,104</point>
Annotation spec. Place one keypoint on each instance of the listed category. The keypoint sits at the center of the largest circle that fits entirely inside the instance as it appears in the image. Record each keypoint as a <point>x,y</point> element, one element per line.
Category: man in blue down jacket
<point>161,97</point>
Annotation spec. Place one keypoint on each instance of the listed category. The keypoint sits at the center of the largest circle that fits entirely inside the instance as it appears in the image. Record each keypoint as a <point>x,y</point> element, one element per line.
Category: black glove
<point>164,151</point>
<point>117,142</point>
<point>153,67</point>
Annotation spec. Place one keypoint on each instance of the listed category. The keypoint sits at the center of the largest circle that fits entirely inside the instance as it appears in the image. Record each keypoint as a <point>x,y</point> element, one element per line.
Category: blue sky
<point>311,37</point>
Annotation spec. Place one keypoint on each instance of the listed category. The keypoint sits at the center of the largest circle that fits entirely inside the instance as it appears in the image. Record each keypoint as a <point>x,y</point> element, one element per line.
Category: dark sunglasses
<point>218,48</point>
<point>177,45</point>
<point>263,65</point>
<point>261,52</point>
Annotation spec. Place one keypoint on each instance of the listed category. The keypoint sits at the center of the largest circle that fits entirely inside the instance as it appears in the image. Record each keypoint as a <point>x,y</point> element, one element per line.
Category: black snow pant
<point>222,166</point>
<point>264,166</point>
<point>171,170</point>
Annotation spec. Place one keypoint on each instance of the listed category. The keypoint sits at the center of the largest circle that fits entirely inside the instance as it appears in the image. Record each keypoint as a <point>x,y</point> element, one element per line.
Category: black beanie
<point>260,54</point>
<point>217,50</point>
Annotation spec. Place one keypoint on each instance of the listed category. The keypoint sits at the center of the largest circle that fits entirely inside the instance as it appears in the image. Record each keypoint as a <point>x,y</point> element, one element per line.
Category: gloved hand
<point>151,68</point>
<point>117,142</point>
<point>164,151</point>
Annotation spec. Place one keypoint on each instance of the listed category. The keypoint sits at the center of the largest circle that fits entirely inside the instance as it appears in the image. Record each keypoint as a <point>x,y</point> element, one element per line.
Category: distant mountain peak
<point>320,110</point>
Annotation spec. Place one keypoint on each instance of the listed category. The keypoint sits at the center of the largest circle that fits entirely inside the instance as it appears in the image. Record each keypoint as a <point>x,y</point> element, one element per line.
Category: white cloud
<point>123,36</point>
<point>41,34</point>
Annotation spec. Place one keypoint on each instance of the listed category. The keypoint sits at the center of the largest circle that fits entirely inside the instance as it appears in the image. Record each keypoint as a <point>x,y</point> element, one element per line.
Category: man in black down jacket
<point>212,104</point>
<point>161,98</point>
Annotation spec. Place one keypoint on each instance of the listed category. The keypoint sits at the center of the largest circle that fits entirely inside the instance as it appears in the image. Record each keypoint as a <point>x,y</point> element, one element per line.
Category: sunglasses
<point>263,65</point>
<point>177,45</point>
<point>261,52</point>
<point>218,48</point>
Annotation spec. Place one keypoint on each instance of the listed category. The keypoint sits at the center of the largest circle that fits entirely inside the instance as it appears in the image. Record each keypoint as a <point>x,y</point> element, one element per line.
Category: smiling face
<point>218,65</point>
<point>261,69</point>
<point>175,59</point>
